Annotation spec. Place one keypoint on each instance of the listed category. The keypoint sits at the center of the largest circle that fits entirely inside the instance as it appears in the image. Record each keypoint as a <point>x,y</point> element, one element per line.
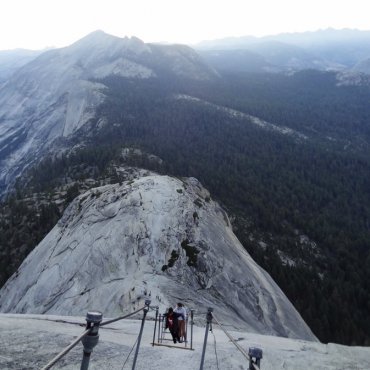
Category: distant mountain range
<point>11,60</point>
<point>325,50</point>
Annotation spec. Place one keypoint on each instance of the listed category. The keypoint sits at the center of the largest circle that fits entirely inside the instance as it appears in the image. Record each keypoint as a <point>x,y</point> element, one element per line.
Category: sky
<point>36,24</point>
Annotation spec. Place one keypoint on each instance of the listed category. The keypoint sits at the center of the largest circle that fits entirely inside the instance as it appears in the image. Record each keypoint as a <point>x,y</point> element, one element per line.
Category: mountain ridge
<point>323,49</point>
<point>156,237</point>
<point>58,92</point>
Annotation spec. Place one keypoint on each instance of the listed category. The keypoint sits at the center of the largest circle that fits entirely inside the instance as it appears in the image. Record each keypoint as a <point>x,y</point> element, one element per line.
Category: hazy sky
<point>35,24</point>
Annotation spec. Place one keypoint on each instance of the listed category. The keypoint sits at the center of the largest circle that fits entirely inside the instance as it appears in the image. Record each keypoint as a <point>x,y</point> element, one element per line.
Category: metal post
<point>155,323</point>
<point>159,328</point>
<point>186,329</point>
<point>191,328</point>
<point>93,320</point>
<point>146,309</point>
<point>163,325</point>
<point>255,355</point>
<point>209,324</point>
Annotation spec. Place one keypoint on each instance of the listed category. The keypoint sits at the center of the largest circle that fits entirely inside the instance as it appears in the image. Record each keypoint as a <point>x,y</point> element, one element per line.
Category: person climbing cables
<point>180,310</point>
<point>172,324</point>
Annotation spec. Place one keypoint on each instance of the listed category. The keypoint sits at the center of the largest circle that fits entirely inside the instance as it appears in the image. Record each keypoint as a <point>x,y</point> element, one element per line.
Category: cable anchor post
<point>209,318</point>
<point>255,356</point>
<point>146,309</point>
<point>191,327</point>
<point>155,323</point>
<point>93,320</point>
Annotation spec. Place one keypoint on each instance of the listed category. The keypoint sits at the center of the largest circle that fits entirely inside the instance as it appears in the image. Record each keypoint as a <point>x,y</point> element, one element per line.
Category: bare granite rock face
<point>154,237</point>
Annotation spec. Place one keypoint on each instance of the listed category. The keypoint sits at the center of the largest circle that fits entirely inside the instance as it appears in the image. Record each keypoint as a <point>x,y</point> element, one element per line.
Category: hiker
<point>172,324</point>
<point>180,310</point>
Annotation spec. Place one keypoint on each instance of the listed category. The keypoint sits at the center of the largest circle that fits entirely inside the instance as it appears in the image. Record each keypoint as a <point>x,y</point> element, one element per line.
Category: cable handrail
<point>96,317</point>
<point>66,350</point>
<point>214,341</point>
<point>121,317</point>
<point>245,354</point>
<point>128,356</point>
<point>86,332</point>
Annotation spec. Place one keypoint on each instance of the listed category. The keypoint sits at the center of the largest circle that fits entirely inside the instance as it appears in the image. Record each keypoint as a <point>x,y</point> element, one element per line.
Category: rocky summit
<point>154,237</point>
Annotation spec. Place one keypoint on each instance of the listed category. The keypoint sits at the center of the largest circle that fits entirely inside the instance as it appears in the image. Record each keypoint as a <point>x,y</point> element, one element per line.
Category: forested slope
<point>300,206</point>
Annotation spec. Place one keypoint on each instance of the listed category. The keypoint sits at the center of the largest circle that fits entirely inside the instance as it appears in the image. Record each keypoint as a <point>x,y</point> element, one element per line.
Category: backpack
<point>170,321</point>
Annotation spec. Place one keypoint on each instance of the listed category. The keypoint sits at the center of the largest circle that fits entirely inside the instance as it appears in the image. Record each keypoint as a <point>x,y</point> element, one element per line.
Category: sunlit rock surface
<point>31,342</point>
<point>154,237</point>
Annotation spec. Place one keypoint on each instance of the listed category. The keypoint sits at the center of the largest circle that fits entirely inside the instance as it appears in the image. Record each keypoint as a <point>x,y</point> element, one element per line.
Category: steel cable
<point>128,356</point>
<point>242,351</point>
<point>78,339</point>
<point>121,317</point>
<point>214,338</point>
<point>66,350</point>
